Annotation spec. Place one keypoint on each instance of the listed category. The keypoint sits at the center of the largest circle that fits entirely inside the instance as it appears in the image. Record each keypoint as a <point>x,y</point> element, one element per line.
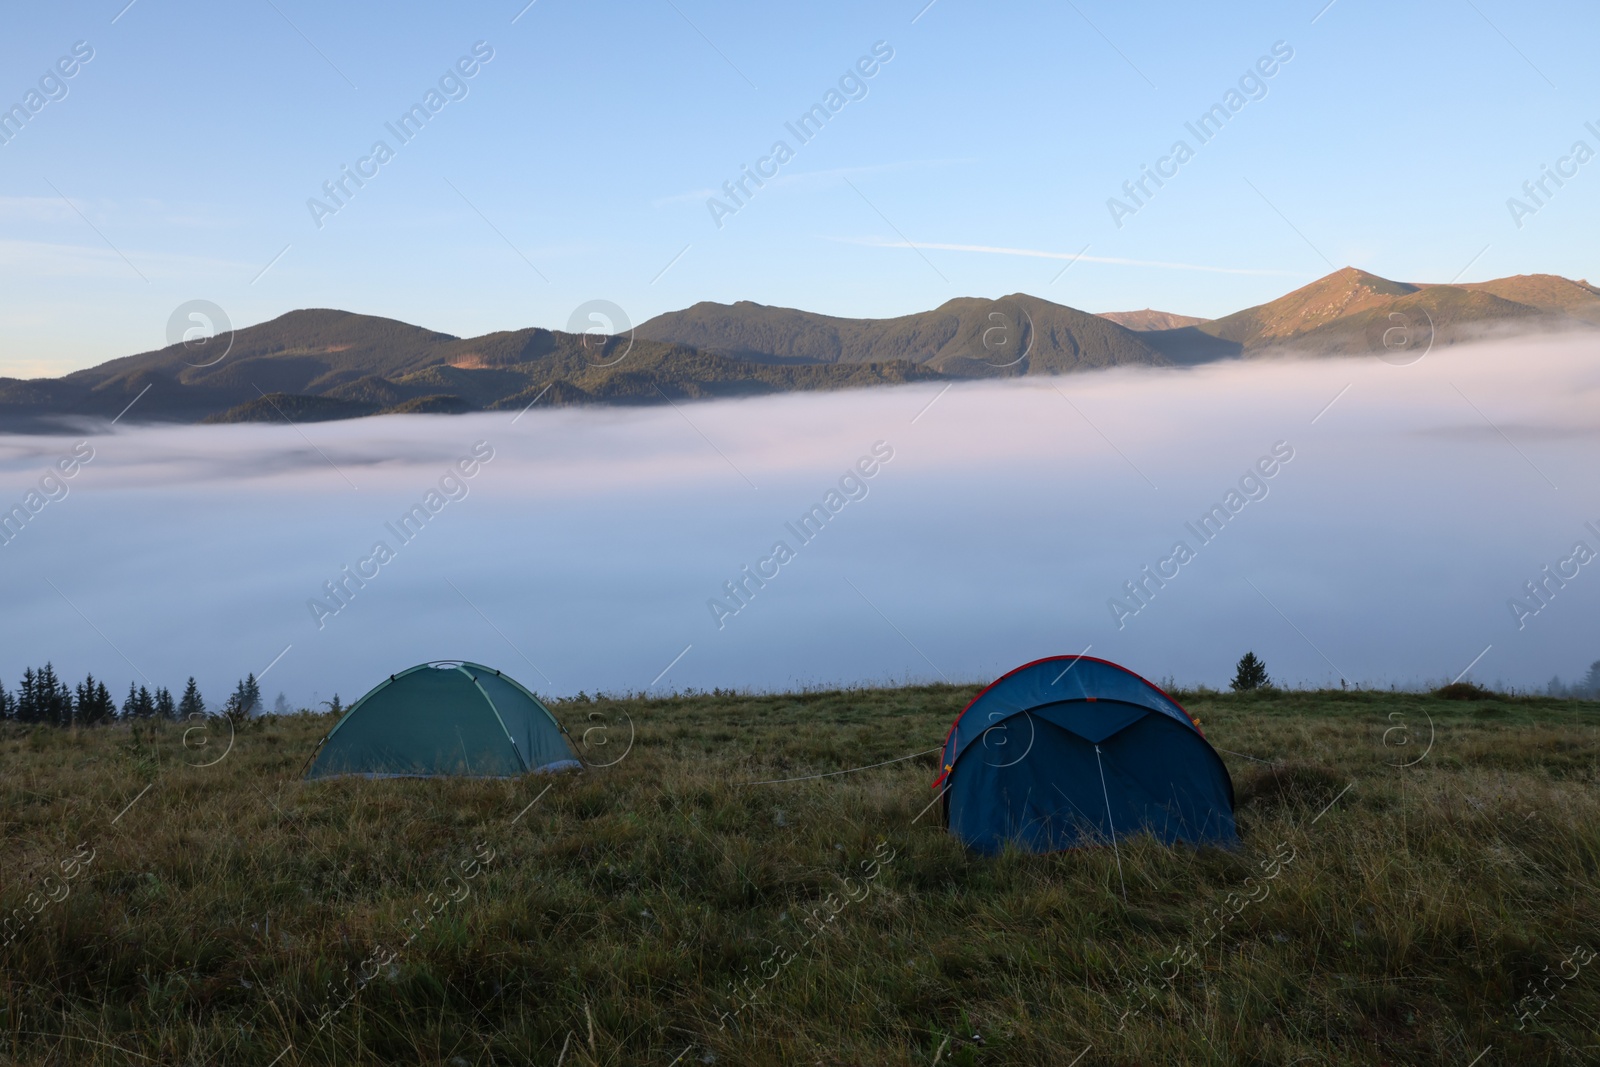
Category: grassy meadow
<point>665,910</point>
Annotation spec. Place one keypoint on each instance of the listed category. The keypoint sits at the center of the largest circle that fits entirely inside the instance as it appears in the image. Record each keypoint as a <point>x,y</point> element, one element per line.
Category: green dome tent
<point>444,718</point>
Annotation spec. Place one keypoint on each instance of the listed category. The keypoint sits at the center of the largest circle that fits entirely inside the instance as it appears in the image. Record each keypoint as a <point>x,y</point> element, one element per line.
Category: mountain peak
<point>321,319</point>
<point>1346,291</point>
<point>323,362</point>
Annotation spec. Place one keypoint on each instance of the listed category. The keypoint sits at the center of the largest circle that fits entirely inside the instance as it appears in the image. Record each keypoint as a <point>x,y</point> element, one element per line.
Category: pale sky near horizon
<point>576,163</point>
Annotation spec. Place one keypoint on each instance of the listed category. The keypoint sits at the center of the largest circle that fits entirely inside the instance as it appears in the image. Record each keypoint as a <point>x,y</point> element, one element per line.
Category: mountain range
<point>320,364</point>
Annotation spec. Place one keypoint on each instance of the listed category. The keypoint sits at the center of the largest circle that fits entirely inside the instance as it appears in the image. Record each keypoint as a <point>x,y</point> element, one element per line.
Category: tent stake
<point>1114,848</point>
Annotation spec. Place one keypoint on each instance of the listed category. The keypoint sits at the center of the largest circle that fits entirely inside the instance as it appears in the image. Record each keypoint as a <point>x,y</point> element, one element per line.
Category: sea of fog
<point>971,528</point>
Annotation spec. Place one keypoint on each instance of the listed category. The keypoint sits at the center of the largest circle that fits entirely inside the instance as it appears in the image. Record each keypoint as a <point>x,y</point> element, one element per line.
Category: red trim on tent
<point>945,772</point>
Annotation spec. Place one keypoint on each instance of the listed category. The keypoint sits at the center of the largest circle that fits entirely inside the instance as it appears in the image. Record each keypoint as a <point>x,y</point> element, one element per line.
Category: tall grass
<point>664,910</point>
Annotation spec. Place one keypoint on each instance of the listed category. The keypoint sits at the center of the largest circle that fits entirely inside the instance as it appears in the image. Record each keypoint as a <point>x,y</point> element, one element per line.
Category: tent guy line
<point>847,770</point>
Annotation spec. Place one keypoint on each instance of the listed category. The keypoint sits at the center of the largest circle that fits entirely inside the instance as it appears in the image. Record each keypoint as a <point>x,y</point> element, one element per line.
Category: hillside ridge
<point>321,363</point>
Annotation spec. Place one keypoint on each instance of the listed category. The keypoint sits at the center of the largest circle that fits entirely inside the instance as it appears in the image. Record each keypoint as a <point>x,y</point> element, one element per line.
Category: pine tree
<point>86,709</point>
<point>333,706</point>
<point>280,706</point>
<point>164,705</point>
<point>94,704</point>
<point>191,703</point>
<point>38,696</point>
<point>245,700</point>
<point>54,697</point>
<point>1591,681</point>
<point>8,704</point>
<point>28,698</point>
<point>140,704</point>
<point>1250,674</point>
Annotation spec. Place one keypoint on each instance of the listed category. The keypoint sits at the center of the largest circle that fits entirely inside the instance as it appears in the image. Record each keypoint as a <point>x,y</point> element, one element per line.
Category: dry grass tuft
<point>1303,784</point>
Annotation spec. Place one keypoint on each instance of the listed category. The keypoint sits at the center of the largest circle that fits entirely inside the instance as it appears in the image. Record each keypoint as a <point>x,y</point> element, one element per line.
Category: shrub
<point>1463,691</point>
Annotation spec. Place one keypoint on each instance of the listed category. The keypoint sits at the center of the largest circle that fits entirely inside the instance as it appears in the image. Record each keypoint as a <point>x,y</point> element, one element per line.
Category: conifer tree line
<point>43,698</point>
<point>1585,688</point>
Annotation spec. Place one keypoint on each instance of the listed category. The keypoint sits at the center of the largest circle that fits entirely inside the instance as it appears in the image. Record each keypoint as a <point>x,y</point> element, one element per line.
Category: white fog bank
<point>1382,521</point>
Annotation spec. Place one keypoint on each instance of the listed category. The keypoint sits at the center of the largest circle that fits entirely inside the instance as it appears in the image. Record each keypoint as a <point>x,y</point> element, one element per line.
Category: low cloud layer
<point>590,548</point>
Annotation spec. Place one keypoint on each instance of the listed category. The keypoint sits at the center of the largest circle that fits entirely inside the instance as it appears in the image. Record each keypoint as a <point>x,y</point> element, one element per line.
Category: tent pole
<point>313,756</point>
<point>1114,847</point>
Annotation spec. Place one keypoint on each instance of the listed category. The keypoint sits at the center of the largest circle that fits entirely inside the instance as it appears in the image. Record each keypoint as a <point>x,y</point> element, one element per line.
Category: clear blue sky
<point>585,149</point>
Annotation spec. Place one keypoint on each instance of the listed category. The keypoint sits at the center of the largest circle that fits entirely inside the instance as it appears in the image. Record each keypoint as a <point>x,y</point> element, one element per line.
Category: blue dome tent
<point>449,717</point>
<point>1073,750</point>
